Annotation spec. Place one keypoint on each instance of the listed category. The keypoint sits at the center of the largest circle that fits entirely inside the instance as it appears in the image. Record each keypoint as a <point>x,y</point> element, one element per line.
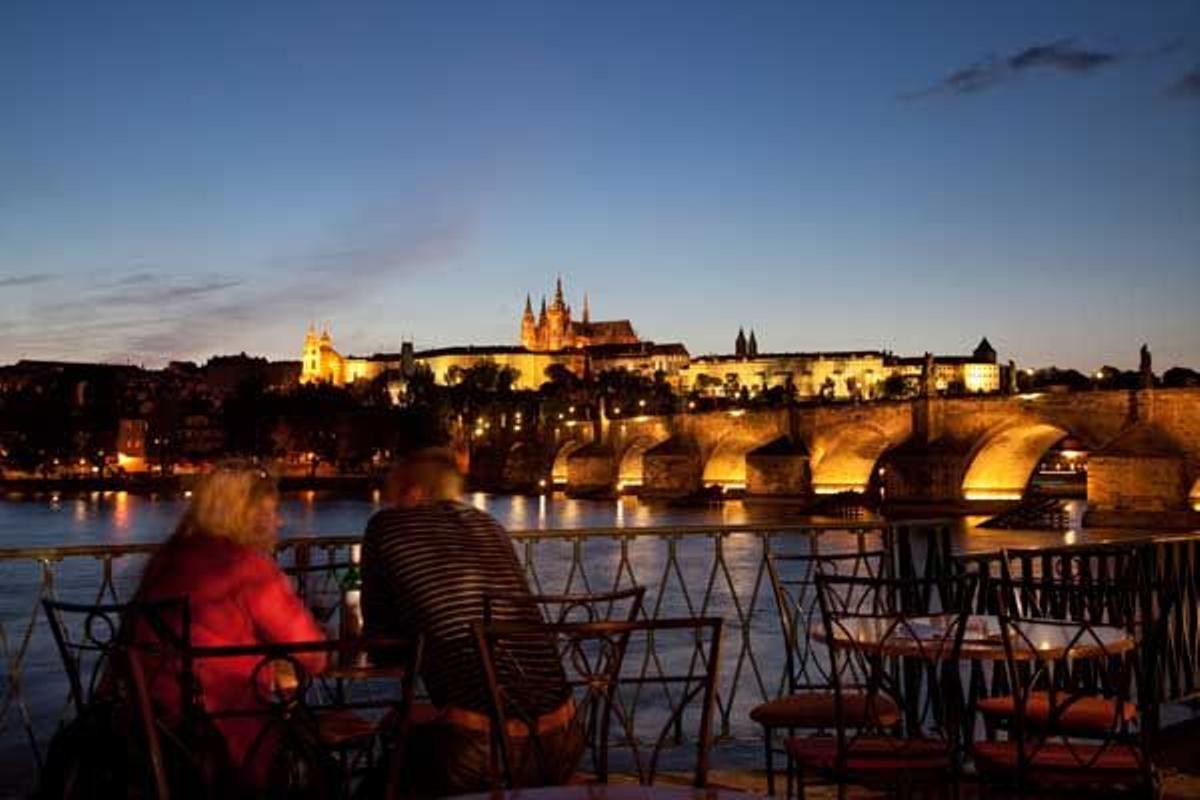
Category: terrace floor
<point>1176,786</point>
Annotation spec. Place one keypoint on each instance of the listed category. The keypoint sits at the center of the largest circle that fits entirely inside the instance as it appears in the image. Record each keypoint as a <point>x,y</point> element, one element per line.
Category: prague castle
<point>551,338</point>
<point>554,338</point>
<point>554,330</point>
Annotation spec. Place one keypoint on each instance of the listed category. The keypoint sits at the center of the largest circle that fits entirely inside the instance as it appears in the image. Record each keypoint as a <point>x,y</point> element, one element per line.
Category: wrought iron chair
<point>320,745</point>
<point>594,655</point>
<point>808,701</point>
<point>94,641</point>
<point>1077,724</point>
<point>904,636</point>
<point>1122,600</point>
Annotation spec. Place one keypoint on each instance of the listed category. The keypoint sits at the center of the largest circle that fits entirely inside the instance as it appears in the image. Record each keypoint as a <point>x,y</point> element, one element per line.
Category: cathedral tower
<point>558,321</point>
<point>529,335</point>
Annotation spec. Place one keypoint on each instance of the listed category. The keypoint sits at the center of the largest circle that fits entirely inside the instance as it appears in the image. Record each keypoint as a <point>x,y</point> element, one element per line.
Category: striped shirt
<point>426,570</point>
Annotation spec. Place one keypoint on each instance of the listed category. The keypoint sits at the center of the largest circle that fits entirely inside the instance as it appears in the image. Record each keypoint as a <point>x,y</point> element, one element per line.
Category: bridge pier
<point>779,469</point>
<point>592,471</point>
<point>524,470</point>
<point>672,469</point>
<point>920,473</point>
<point>1141,471</point>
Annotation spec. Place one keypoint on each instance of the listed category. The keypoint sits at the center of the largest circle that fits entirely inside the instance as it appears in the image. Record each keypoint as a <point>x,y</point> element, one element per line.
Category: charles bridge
<point>1143,447</point>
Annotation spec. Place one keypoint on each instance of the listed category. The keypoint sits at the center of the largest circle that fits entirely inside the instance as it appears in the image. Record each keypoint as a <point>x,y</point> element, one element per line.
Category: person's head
<point>428,475</point>
<point>235,503</point>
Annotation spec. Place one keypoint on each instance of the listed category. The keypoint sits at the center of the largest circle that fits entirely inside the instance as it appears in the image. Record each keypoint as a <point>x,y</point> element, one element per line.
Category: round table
<point>1048,640</point>
<point>610,792</point>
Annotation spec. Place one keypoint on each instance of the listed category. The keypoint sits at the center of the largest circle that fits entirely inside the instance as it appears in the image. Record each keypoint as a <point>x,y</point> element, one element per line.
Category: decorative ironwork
<point>687,571</point>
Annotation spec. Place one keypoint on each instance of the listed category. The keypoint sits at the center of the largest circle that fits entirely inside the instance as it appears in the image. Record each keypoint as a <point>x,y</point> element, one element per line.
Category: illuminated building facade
<point>973,374</point>
<point>554,329</point>
<point>833,375</point>
<point>836,374</point>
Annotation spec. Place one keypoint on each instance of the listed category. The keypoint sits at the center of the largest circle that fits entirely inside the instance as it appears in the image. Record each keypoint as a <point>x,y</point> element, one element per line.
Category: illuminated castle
<point>323,364</point>
<point>553,329</point>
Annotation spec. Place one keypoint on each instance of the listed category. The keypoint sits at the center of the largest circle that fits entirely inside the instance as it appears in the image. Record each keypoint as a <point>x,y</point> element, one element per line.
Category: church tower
<point>542,327</point>
<point>310,359</point>
<point>739,344</point>
<point>752,345</point>
<point>558,320</point>
<point>529,334</point>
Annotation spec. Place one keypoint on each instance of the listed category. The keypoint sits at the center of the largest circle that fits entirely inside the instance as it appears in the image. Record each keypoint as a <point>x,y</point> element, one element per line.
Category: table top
<point>609,792</point>
<point>1047,640</point>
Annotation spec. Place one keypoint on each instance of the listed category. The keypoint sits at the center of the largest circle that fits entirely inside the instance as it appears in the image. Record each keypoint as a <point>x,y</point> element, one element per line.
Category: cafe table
<point>601,791</point>
<point>924,637</point>
<point>927,637</point>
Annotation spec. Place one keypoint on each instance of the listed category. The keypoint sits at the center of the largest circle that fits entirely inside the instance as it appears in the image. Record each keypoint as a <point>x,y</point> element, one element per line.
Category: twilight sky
<point>836,175</point>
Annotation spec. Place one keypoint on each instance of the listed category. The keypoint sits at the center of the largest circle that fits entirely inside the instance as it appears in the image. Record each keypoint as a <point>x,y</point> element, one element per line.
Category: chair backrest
<point>604,691</point>
<point>90,636</point>
<point>623,605</point>
<point>794,584</point>
<point>874,628</point>
<point>94,641</point>
<point>1094,653</point>
<point>1103,588</point>
<point>288,695</point>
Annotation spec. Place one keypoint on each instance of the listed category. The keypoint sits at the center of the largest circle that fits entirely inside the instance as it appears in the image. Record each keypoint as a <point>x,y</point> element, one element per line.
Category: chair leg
<point>768,739</point>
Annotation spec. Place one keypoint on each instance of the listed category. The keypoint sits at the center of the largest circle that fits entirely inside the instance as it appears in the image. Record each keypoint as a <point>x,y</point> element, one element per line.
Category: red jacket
<point>237,596</point>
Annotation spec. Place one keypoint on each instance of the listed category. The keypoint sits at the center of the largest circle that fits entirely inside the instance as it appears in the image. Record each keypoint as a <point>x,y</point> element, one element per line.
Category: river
<point>118,517</point>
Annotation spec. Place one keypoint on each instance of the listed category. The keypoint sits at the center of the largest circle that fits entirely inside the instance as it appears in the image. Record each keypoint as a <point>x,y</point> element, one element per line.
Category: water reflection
<point>93,517</point>
<point>120,517</point>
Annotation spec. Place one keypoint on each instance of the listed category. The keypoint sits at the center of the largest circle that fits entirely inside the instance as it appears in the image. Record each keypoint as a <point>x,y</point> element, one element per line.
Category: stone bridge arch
<point>725,461</point>
<point>999,465</point>
<point>558,467</point>
<point>630,471</point>
<point>844,459</point>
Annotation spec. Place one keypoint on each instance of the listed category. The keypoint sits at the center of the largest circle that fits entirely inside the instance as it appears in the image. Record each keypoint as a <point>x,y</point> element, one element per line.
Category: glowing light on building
<point>992,494</point>
<point>838,488</point>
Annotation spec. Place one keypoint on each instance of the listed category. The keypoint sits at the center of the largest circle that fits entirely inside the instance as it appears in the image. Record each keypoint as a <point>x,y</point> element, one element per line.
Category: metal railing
<point>687,571</point>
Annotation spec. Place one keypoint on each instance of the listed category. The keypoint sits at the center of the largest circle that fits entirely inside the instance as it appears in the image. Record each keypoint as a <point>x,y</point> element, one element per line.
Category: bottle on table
<point>351,620</point>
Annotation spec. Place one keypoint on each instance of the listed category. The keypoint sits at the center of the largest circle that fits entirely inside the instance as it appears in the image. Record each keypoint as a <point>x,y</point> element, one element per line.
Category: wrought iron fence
<point>687,571</point>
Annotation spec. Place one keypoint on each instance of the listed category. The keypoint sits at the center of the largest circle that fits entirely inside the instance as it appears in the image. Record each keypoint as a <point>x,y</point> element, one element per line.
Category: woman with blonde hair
<point>220,559</point>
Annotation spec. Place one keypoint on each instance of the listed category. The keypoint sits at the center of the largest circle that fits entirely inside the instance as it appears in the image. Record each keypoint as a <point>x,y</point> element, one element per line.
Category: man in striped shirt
<point>428,562</point>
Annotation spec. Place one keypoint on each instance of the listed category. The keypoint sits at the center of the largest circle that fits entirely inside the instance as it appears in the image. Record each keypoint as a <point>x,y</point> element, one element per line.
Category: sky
<point>177,182</point>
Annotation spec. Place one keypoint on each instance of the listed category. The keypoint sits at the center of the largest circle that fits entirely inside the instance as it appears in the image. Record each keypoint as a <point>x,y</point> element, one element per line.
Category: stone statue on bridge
<point>1145,369</point>
<point>928,383</point>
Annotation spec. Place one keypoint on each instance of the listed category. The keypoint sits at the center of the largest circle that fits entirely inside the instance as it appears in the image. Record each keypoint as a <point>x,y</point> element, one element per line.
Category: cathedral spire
<point>752,345</point>
<point>528,305</point>
<point>542,314</point>
<point>558,293</point>
<point>739,344</point>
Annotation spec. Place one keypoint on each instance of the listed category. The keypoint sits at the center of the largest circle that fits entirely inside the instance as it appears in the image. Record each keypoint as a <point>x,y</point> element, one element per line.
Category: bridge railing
<point>687,571</point>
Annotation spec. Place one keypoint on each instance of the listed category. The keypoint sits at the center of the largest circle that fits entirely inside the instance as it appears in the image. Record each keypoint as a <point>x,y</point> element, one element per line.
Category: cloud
<point>354,262</point>
<point>23,280</point>
<point>1058,56</point>
<point>1187,87</point>
<point>1061,55</point>
<point>151,313</point>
